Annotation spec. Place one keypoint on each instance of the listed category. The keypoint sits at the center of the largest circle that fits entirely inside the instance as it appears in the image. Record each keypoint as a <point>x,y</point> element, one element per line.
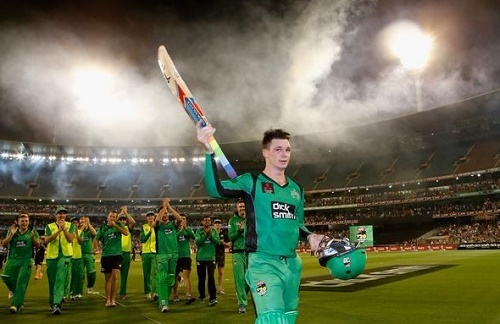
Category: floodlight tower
<point>413,48</point>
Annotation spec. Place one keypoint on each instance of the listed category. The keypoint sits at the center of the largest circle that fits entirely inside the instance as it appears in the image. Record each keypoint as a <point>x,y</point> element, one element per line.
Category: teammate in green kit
<point>110,235</point>
<point>87,234</point>
<point>148,242</point>
<point>59,237</point>
<point>274,223</point>
<point>206,239</point>
<point>21,240</point>
<point>167,252</point>
<point>125,218</point>
<point>76,277</point>
<point>185,235</point>
<point>236,234</point>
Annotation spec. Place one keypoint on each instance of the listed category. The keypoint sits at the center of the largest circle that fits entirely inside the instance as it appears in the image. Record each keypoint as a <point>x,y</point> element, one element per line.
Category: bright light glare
<point>92,87</point>
<point>408,43</point>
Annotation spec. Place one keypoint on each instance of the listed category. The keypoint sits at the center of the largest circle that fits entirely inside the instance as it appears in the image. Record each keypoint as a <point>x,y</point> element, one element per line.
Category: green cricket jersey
<point>166,238</point>
<point>275,213</point>
<point>111,240</point>
<point>206,244</point>
<point>21,245</point>
<point>87,242</point>
<point>183,240</point>
<point>236,235</point>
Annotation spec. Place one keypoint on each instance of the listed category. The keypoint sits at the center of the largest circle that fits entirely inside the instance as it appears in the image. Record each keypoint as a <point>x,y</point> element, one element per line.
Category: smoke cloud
<point>306,66</point>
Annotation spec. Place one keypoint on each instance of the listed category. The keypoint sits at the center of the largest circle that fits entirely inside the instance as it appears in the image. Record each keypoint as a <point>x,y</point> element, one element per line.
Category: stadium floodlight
<point>410,45</point>
<point>407,42</point>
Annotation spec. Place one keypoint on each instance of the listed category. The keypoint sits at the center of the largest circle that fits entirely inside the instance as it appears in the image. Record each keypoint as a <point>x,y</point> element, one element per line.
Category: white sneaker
<point>165,309</point>
<point>91,291</point>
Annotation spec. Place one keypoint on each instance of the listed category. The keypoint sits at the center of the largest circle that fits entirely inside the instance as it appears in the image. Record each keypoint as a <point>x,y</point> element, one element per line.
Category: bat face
<point>188,102</point>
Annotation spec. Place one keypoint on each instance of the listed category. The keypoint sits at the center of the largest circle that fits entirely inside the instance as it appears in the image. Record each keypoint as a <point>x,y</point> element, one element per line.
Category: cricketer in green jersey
<point>148,246</point>
<point>126,219</point>
<point>59,237</point>
<point>274,223</point>
<point>167,252</point>
<point>110,235</point>
<point>76,276</point>
<point>21,240</point>
<point>185,235</point>
<point>236,234</point>
<point>206,239</point>
<point>87,234</point>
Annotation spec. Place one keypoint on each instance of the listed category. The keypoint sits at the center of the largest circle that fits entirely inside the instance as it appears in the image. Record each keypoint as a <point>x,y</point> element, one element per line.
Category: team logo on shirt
<point>267,187</point>
<point>295,194</point>
<point>21,244</point>
<point>282,210</point>
<point>261,288</point>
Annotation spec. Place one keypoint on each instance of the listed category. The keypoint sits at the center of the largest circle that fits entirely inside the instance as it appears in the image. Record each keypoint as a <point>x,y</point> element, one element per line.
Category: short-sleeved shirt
<point>166,238</point>
<point>184,241</point>
<point>21,245</point>
<point>111,240</point>
<point>87,242</point>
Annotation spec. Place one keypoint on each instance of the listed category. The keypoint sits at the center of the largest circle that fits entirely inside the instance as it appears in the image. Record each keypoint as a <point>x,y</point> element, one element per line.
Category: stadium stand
<point>405,175</point>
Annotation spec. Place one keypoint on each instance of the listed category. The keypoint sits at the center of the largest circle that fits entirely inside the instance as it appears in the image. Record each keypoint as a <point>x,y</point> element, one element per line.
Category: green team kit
<point>183,240</point>
<point>17,273</point>
<point>88,257</point>
<point>111,240</point>
<point>236,235</point>
<point>167,253</point>
<point>274,224</point>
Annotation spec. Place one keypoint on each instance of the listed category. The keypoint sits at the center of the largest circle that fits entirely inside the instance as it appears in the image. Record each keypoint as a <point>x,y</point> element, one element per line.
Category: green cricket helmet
<point>343,260</point>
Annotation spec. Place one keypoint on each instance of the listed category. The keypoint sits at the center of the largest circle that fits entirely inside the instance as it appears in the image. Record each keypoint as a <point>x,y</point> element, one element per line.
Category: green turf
<point>465,292</point>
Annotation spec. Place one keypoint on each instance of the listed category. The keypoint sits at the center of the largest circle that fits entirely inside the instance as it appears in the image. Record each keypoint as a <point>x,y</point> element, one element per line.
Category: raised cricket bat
<point>194,111</point>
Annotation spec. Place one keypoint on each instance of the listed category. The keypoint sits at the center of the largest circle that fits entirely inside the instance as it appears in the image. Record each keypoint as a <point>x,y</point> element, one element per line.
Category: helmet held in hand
<point>343,260</point>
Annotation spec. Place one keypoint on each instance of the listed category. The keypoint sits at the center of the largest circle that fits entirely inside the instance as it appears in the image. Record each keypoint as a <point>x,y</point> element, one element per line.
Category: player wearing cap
<point>20,239</point>
<point>59,237</point>
<point>236,234</point>
<point>167,251</point>
<point>126,219</point>
<point>76,281</point>
<point>148,240</point>
<point>110,235</point>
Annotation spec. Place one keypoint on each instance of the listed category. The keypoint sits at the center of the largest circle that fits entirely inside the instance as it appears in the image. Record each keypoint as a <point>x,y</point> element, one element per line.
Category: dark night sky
<point>302,65</point>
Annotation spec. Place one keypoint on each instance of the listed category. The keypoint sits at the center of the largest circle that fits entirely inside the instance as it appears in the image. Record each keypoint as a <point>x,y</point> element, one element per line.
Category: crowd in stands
<point>466,233</point>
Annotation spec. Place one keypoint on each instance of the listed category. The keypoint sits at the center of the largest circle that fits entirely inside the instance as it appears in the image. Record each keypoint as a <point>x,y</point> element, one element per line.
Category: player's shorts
<point>220,260</point>
<point>183,264</point>
<point>39,258</point>
<point>111,262</point>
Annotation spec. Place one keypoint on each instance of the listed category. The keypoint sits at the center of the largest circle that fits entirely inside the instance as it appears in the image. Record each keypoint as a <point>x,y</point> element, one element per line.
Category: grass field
<point>460,287</point>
